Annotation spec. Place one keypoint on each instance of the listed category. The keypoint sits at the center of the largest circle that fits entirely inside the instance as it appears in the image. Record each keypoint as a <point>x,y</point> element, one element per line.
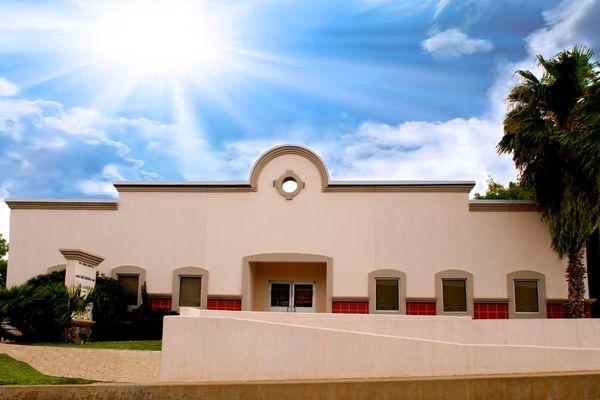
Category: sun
<point>159,36</point>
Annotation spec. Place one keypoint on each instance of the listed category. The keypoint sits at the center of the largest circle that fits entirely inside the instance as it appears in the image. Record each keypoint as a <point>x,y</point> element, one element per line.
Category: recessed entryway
<point>292,296</point>
<point>287,282</point>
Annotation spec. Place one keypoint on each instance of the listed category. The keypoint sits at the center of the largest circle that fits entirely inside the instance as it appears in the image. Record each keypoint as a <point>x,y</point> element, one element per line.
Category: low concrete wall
<point>582,333</point>
<point>234,347</point>
<point>556,387</point>
<point>135,366</point>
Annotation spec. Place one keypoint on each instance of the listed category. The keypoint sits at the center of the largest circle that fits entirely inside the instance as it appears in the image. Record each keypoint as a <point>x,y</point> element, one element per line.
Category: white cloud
<point>454,43</point>
<point>458,149</point>
<point>572,22</point>
<point>4,211</point>
<point>454,149</point>
<point>91,187</point>
<point>439,7</point>
<point>48,149</point>
<point>7,88</point>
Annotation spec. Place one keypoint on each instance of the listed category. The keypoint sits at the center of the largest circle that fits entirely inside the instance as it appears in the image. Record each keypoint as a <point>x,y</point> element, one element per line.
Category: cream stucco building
<point>290,239</point>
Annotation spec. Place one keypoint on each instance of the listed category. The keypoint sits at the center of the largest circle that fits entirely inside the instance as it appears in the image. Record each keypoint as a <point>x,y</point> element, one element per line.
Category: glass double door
<point>292,296</point>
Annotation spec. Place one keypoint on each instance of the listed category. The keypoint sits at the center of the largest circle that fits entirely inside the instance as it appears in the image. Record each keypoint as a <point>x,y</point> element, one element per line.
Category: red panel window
<point>491,311</point>
<point>555,310</point>
<point>351,307</point>
<point>420,308</point>
<point>160,303</point>
<point>225,304</point>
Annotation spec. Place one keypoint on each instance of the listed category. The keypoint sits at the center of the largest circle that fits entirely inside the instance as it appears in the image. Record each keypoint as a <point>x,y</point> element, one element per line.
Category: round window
<point>290,185</point>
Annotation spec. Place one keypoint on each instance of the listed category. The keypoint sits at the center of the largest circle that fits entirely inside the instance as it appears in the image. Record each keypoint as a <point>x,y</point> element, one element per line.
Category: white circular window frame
<point>286,177</point>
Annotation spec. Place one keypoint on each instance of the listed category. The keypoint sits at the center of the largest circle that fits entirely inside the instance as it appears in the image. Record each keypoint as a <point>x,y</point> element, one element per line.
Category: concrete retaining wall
<point>556,387</point>
<point>135,366</point>
<point>235,347</point>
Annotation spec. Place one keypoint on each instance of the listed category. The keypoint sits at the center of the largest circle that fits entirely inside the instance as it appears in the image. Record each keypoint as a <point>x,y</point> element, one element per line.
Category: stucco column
<point>80,271</point>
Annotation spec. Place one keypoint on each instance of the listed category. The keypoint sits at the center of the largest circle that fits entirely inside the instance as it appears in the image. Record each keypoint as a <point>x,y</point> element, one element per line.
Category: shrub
<point>109,308</point>
<point>42,309</point>
<point>115,322</point>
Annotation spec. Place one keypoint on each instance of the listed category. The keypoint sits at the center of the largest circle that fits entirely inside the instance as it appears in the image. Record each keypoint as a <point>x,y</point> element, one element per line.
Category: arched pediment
<point>282,150</point>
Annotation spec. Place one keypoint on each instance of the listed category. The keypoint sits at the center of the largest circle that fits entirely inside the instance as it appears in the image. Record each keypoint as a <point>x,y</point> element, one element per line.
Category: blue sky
<point>93,92</point>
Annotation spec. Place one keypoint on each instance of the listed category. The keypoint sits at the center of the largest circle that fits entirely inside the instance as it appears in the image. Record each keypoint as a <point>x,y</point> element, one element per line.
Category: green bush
<point>109,308</point>
<point>41,309</point>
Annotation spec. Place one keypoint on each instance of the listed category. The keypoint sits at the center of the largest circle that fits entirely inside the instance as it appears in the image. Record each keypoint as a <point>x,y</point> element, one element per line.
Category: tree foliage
<point>41,309</point>
<point>3,261</point>
<point>553,133</point>
<point>514,191</point>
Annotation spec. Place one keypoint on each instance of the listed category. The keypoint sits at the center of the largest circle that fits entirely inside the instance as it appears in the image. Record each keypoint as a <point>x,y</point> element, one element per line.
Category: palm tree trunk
<point>575,278</point>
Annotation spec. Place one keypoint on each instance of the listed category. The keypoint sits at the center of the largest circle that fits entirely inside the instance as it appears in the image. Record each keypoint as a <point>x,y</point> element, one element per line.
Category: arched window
<point>454,292</point>
<point>387,292</point>
<point>130,279</point>
<point>526,294</point>
<point>190,288</point>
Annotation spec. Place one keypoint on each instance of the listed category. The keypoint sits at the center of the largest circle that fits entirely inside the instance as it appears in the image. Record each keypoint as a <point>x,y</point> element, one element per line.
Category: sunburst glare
<point>159,37</point>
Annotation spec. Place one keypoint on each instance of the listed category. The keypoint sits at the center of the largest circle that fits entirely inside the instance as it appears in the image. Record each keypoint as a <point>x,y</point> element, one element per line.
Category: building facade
<point>290,239</point>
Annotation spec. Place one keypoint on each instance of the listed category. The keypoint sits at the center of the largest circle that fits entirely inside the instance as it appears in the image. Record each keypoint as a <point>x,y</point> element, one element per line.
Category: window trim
<point>439,291</point>
<point>466,297</point>
<point>136,276</point>
<point>131,270</point>
<point>525,275</point>
<point>387,274</point>
<point>189,272</point>
<point>181,276</point>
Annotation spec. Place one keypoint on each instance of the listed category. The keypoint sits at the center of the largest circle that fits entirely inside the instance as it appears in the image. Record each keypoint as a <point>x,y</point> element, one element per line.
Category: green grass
<point>13,372</point>
<point>154,345</point>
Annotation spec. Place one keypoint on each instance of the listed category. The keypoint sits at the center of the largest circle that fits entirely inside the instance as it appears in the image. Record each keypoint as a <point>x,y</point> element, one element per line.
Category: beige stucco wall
<point>579,333</point>
<point>416,232</point>
<point>235,347</point>
<point>289,272</point>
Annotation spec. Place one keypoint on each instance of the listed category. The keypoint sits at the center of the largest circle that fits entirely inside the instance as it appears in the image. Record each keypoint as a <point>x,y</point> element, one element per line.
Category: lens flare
<point>159,37</point>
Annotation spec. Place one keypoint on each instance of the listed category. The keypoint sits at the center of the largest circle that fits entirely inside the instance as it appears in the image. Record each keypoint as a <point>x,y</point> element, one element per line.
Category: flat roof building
<point>290,239</point>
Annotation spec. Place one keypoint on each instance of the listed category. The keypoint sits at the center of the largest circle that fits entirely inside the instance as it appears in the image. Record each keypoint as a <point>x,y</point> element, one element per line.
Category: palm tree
<point>65,304</point>
<point>552,130</point>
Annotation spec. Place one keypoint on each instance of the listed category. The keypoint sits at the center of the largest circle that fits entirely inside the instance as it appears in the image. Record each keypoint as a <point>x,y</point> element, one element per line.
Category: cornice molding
<point>182,187</point>
<point>80,255</point>
<point>17,204</point>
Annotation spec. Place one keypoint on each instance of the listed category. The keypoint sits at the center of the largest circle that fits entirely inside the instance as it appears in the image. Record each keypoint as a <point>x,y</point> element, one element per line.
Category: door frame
<point>291,295</point>
<point>314,297</point>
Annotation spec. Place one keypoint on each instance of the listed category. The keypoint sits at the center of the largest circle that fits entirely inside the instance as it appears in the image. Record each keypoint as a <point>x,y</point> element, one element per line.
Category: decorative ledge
<point>17,204</point>
<point>491,300</point>
<point>421,299</point>
<point>80,255</point>
<point>503,206</point>
<point>350,298</point>
<point>201,187</point>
